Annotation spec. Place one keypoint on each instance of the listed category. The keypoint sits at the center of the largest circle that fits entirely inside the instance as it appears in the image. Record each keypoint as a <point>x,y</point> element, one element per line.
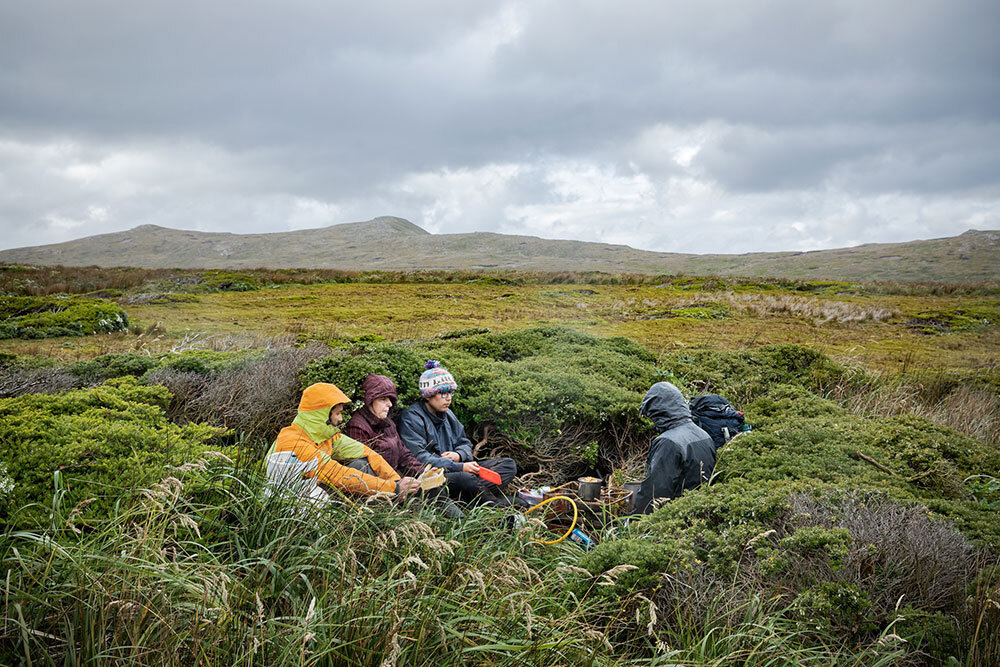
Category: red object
<point>489,475</point>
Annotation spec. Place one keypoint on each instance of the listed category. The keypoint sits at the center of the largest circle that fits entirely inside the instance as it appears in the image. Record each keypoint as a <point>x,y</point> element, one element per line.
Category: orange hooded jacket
<point>310,436</point>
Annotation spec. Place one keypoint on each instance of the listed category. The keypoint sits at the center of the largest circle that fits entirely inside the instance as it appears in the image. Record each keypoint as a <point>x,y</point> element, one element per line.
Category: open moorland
<point>856,524</point>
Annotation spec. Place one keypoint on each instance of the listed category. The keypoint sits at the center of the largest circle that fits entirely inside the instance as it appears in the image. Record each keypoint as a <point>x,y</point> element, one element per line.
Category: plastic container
<point>633,489</point>
<point>582,539</point>
<point>533,496</point>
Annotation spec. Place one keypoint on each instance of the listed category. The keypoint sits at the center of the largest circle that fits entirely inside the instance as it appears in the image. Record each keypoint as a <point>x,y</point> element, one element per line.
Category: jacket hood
<point>665,405</point>
<point>378,386</point>
<point>313,415</point>
<point>321,395</point>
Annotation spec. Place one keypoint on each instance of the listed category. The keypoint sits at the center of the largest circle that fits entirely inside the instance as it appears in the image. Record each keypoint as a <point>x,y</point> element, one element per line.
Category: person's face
<point>380,407</point>
<point>336,414</point>
<point>440,402</point>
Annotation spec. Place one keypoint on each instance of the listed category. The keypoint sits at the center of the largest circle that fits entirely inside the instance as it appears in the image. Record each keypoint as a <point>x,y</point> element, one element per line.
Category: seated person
<point>371,425</point>
<point>341,462</point>
<point>435,436</point>
<point>681,457</point>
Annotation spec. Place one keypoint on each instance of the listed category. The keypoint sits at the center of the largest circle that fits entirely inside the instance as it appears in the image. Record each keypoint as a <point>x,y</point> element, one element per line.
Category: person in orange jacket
<point>341,462</point>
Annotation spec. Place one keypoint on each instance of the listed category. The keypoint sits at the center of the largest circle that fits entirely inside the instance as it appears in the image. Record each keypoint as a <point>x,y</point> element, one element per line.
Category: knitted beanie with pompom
<point>436,380</point>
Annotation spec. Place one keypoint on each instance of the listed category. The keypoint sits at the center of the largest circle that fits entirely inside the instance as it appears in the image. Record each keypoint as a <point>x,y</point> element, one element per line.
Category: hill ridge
<point>394,243</point>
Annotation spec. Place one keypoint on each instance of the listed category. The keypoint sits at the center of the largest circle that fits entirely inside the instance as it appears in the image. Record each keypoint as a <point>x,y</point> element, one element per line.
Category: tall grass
<point>207,570</point>
<point>958,403</point>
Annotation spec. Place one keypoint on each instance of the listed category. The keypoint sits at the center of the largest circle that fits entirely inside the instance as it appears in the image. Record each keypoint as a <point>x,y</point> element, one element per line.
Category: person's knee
<point>505,467</point>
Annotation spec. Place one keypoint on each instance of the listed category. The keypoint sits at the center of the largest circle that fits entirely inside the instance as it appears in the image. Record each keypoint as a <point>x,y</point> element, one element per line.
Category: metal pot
<point>633,489</point>
<point>589,491</point>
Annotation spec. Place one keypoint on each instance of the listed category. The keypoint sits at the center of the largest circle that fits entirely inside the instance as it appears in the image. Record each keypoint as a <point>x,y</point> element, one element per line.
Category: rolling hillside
<point>396,244</point>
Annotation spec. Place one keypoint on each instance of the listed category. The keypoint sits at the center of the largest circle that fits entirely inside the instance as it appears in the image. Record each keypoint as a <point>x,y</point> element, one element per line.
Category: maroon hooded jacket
<point>381,434</point>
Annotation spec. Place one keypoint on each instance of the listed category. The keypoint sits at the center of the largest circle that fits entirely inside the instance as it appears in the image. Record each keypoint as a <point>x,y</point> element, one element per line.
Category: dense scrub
<point>96,446</point>
<point>546,394</point>
<point>37,317</point>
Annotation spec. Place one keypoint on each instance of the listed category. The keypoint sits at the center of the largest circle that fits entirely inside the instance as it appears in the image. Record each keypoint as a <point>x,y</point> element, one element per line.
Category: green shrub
<point>107,366</point>
<point>833,605</point>
<point>47,317</point>
<point>101,442</point>
<point>227,281</point>
<point>744,376</point>
<point>348,369</point>
<point>206,362</point>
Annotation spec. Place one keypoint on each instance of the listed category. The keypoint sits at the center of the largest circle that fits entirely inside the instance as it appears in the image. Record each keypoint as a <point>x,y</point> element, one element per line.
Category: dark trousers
<point>467,486</point>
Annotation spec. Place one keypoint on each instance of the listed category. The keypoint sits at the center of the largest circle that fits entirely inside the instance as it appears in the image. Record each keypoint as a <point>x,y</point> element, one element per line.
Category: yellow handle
<point>571,527</point>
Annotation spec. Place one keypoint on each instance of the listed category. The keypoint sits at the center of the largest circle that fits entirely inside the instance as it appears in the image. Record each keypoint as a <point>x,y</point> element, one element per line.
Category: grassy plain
<point>884,332</point>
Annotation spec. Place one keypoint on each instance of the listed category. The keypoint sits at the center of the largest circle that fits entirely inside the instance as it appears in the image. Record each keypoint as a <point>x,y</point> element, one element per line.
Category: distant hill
<point>396,244</point>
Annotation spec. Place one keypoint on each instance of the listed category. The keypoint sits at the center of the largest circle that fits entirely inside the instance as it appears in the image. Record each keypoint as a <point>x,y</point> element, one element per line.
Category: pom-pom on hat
<point>436,380</point>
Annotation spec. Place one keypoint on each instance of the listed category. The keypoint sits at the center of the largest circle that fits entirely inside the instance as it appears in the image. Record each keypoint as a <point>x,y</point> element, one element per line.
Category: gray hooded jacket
<point>682,456</point>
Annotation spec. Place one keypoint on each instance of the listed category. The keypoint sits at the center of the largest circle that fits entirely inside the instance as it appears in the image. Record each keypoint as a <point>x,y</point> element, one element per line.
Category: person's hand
<point>471,466</point>
<point>406,486</point>
<point>451,456</point>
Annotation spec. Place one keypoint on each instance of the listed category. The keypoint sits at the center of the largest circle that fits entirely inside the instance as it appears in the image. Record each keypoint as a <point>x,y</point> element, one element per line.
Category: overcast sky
<point>709,126</point>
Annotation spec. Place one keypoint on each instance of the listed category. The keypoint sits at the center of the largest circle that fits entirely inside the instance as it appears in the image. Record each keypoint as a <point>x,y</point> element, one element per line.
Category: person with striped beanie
<point>435,436</point>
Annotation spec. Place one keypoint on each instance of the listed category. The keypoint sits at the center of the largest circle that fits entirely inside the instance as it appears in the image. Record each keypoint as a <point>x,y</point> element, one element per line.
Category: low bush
<point>109,366</point>
<point>254,398</point>
<point>31,375</point>
<point>540,392</point>
<point>48,317</point>
<point>227,281</point>
<point>96,445</point>
<point>746,375</point>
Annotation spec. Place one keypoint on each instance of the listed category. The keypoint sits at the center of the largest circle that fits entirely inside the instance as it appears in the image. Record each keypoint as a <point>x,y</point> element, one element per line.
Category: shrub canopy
<point>104,443</point>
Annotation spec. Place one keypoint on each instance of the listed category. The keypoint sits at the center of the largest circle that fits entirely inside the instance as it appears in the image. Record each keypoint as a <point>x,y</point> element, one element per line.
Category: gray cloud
<point>792,125</point>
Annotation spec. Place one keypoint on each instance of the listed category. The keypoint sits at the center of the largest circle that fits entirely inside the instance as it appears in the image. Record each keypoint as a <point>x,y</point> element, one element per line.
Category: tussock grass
<point>207,570</point>
<point>820,311</point>
<point>963,404</point>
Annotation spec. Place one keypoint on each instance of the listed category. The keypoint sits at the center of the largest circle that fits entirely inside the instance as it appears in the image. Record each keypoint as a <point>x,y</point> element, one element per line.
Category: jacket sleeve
<point>462,444</point>
<point>413,433</point>
<point>381,467</point>
<point>331,472</point>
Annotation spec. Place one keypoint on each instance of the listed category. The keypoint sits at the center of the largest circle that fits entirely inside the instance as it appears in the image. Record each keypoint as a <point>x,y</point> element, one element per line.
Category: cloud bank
<point>718,127</point>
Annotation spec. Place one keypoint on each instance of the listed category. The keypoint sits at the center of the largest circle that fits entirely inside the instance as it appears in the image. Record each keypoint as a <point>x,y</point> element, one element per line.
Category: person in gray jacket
<point>681,457</point>
<point>434,436</point>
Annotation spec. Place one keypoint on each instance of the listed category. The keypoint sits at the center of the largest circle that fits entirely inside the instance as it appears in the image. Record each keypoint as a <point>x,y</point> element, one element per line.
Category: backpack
<point>717,417</point>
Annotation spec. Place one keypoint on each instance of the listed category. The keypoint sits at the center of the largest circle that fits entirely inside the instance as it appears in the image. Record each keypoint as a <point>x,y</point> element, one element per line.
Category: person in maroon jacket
<point>372,426</point>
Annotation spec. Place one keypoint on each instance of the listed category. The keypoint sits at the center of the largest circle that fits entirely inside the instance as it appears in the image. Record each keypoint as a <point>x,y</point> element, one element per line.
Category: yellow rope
<point>546,502</point>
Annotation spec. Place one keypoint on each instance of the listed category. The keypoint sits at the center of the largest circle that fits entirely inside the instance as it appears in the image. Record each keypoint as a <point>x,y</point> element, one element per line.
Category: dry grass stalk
<point>608,578</point>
